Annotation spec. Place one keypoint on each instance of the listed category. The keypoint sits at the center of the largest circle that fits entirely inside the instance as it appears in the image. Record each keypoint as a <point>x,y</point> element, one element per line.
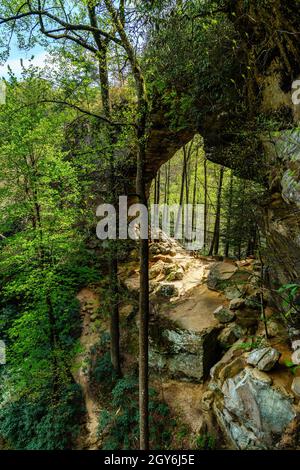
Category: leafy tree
<point>39,246</point>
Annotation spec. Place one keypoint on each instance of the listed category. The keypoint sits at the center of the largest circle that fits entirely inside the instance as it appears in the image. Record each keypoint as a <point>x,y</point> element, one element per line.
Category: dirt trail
<point>184,399</point>
<point>193,304</point>
<point>89,303</point>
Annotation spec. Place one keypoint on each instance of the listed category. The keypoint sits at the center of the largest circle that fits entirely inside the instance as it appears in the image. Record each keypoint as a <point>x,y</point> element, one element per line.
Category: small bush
<point>205,442</point>
<point>40,425</point>
<point>119,425</point>
<point>104,373</point>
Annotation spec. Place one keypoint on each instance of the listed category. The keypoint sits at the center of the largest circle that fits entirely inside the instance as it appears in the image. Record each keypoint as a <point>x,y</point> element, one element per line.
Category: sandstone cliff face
<point>270,53</point>
<point>282,212</point>
<point>253,408</point>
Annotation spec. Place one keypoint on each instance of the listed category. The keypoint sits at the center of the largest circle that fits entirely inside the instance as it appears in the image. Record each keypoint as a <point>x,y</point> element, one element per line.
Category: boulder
<point>240,331</point>
<point>175,274</point>
<point>273,329</point>
<point>223,315</point>
<point>207,400</point>
<point>232,292</point>
<point>296,357</point>
<point>261,376</point>
<point>167,290</point>
<point>227,337</point>
<point>246,318</point>
<point>296,387</point>
<point>252,412</point>
<point>180,353</point>
<point>153,286</point>
<point>156,269</point>
<point>264,359</point>
<point>236,303</point>
<point>163,248</point>
<point>220,273</point>
<point>296,344</point>
<point>164,258</point>
<point>253,301</point>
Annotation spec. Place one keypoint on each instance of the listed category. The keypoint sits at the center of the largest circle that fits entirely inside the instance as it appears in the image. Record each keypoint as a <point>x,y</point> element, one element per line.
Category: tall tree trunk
<point>214,249</point>
<point>141,133</point>
<point>113,245</point>
<point>195,189</point>
<point>186,173</point>
<point>168,182</point>
<point>229,215</point>
<point>205,203</point>
<point>240,235</point>
<point>144,292</point>
<point>158,188</point>
<point>113,248</point>
<point>182,186</point>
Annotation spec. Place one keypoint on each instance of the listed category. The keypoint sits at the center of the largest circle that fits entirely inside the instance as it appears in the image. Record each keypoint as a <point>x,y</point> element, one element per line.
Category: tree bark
<point>214,249</point>
<point>229,215</point>
<point>113,245</point>
<point>141,134</point>
<point>157,179</point>
<point>195,190</point>
<point>205,203</point>
<point>180,213</point>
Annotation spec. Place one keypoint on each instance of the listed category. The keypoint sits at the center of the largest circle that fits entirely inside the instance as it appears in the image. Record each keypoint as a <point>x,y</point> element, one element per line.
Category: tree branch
<point>81,110</point>
<point>68,26</point>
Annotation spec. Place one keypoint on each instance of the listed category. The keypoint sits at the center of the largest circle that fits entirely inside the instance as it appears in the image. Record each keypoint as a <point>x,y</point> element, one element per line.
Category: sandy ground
<point>89,303</point>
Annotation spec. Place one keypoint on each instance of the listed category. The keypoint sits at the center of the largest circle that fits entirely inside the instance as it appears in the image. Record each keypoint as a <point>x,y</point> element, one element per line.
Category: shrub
<point>119,425</point>
<point>40,425</point>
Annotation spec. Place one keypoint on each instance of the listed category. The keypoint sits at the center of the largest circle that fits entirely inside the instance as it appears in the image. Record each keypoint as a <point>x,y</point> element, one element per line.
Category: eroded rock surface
<point>181,353</point>
<point>251,408</point>
<point>264,359</point>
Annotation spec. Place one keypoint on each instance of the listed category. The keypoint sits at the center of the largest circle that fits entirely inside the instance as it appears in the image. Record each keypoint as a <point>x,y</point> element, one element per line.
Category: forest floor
<point>191,305</point>
<point>192,296</point>
<point>89,304</point>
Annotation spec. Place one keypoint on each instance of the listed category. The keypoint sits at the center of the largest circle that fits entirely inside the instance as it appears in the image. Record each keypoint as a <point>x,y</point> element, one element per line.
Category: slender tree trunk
<point>182,186</point>
<point>143,298</point>
<point>205,202</point>
<point>187,153</point>
<point>141,127</point>
<point>155,189</point>
<point>229,215</point>
<point>186,174</point>
<point>158,188</point>
<point>195,190</point>
<point>112,191</point>
<point>214,249</point>
<point>166,188</point>
<point>240,236</point>
<point>168,182</point>
<point>113,249</point>
<point>166,185</point>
